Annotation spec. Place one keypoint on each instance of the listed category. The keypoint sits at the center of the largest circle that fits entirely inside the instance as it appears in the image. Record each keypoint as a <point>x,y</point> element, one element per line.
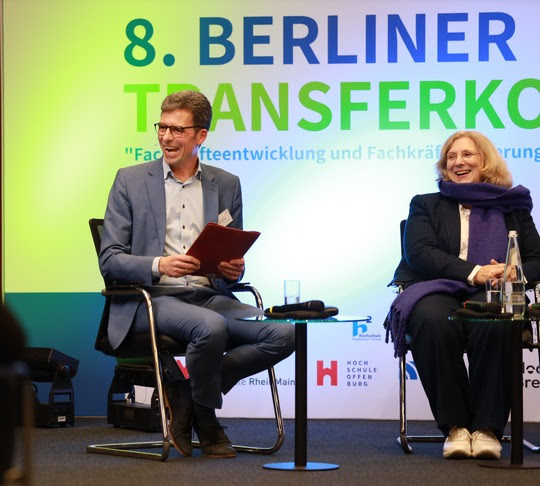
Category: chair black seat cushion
<point>138,346</point>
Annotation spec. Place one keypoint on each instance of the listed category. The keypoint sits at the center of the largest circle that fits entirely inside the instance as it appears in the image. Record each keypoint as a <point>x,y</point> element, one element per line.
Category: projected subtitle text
<point>288,153</point>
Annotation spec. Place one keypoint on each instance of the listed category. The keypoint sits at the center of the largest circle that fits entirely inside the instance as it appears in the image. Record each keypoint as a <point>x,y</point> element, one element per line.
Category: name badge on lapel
<point>225,218</point>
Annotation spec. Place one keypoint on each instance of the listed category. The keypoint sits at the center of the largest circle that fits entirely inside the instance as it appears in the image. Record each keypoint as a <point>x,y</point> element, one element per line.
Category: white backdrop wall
<point>331,113</point>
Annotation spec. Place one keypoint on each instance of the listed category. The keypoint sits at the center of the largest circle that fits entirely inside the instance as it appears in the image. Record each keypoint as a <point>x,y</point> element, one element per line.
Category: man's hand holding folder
<point>218,244</point>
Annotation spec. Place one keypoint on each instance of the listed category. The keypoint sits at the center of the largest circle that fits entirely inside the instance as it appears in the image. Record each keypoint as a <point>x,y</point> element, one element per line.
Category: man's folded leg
<point>258,347</point>
<point>208,332</point>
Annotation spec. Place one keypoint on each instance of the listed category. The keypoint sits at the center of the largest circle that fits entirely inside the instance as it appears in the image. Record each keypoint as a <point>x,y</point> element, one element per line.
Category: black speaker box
<point>43,363</point>
<point>50,365</point>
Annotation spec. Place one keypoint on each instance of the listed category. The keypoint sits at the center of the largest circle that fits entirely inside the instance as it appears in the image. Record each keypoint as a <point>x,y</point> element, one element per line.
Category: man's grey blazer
<point>134,230</point>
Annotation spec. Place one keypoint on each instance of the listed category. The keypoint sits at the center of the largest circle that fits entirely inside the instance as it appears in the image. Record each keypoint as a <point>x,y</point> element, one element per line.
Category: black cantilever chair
<point>405,439</point>
<point>138,363</point>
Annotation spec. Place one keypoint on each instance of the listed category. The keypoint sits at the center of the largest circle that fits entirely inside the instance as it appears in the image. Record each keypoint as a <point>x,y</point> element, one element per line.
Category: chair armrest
<point>241,287</point>
<point>135,288</point>
<point>132,288</point>
<point>247,287</point>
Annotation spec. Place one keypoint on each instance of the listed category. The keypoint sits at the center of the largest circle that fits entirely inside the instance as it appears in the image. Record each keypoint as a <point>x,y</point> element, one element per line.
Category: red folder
<point>218,243</point>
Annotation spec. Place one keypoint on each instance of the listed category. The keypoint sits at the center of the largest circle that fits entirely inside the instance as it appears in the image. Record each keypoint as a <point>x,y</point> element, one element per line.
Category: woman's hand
<point>493,270</point>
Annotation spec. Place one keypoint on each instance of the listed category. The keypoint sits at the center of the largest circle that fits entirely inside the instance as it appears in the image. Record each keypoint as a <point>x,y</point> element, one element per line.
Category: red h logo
<point>331,372</point>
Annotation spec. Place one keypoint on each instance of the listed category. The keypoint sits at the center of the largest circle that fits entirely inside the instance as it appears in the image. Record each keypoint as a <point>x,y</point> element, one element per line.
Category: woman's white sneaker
<point>485,445</point>
<point>458,444</point>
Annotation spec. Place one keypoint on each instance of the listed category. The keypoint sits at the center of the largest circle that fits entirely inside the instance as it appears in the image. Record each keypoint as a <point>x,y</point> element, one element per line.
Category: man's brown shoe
<point>214,442</point>
<point>180,406</point>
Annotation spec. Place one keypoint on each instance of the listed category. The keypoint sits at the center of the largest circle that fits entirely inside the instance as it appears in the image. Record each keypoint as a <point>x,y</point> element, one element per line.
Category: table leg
<point>300,397</point>
<point>300,411</point>
<point>516,426</point>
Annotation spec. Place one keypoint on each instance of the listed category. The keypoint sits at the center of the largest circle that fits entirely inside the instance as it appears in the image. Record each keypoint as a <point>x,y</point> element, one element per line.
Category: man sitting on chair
<point>155,212</point>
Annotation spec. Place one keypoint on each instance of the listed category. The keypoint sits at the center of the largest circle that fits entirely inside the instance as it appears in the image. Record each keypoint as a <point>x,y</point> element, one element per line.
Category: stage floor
<point>366,451</point>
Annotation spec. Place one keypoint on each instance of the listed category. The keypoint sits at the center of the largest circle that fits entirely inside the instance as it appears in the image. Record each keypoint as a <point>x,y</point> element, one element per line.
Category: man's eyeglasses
<point>176,130</point>
<point>466,156</point>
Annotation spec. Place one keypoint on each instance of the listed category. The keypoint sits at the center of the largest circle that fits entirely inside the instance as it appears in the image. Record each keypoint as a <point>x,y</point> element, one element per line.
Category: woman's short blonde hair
<point>493,170</point>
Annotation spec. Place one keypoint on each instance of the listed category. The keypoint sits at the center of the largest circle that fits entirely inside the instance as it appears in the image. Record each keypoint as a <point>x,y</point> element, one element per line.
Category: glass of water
<point>494,288</point>
<point>291,291</point>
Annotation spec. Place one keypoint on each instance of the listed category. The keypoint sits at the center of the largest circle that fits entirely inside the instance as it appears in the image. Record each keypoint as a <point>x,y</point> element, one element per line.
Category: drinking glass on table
<point>494,288</point>
<point>291,291</point>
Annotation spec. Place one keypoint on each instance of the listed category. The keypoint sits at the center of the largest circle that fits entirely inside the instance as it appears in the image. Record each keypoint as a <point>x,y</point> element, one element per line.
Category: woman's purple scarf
<point>489,203</point>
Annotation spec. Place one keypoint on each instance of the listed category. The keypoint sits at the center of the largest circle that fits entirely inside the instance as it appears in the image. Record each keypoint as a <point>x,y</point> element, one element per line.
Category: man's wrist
<point>156,273</point>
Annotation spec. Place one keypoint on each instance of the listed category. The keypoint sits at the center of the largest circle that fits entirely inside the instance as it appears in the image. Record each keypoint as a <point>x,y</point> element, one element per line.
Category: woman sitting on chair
<point>454,241</point>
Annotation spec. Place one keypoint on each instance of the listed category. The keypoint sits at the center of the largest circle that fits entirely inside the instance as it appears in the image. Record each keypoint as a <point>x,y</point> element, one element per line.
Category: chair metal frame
<point>140,449</point>
<point>405,439</point>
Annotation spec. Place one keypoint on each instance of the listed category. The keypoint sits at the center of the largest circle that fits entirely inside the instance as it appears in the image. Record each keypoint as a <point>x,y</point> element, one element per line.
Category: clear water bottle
<point>514,281</point>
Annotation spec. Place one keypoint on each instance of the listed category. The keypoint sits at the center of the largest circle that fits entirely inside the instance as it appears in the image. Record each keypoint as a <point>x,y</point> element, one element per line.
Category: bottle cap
<point>512,233</point>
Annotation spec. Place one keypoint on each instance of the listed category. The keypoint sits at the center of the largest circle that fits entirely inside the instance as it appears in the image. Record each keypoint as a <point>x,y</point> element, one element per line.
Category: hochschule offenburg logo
<point>348,373</point>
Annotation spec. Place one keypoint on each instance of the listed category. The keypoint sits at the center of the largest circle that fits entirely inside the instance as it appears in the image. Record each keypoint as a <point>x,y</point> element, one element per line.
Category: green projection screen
<point>331,113</point>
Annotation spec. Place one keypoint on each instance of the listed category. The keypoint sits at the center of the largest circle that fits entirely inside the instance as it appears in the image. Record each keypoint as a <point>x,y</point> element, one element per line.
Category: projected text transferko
<point>317,104</point>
